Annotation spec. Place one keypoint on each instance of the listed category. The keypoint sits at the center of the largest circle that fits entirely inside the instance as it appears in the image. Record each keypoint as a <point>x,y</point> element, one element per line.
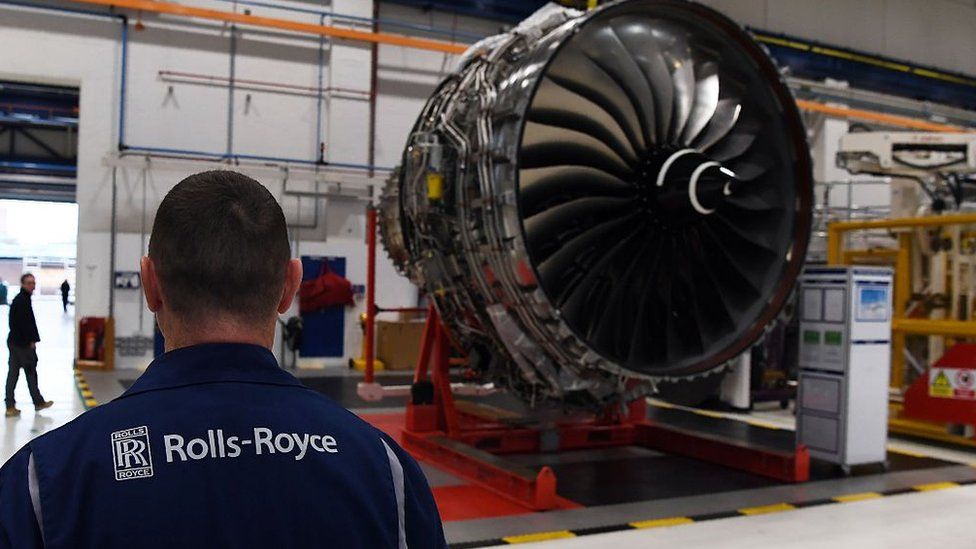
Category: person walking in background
<point>3,292</point>
<point>22,344</point>
<point>65,288</point>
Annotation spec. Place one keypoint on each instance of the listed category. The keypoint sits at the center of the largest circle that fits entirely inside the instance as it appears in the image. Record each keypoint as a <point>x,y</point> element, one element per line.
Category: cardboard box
<point>398,343</point>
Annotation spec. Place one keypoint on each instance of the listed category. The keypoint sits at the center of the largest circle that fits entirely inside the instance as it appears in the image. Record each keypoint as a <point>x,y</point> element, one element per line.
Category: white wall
<point>46,47</point>
<point>50,47</point>
<point>56,48</point>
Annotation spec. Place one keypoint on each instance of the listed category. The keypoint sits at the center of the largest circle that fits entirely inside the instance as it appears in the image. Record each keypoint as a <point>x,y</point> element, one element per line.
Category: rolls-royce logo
<point>131,453</point>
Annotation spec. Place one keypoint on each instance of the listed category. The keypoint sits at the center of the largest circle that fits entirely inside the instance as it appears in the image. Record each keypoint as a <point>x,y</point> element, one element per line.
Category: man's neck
<point>218,331</point>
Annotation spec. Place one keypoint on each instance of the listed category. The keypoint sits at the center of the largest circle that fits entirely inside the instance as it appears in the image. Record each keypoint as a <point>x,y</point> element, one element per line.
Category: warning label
<point>959,383</point>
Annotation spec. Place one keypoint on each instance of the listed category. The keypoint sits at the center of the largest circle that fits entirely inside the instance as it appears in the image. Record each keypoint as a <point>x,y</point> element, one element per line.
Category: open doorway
<point>38,235</point>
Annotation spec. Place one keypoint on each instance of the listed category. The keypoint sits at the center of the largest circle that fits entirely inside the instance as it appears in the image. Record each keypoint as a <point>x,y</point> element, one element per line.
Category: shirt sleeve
<point>35,336</point>
<point>421,520</point>
<point>18,522</point>
<point>14,321</point>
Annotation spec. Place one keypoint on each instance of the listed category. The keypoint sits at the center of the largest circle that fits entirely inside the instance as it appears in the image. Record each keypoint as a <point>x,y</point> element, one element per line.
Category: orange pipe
<point>171,8</point>
<point>888,119</point>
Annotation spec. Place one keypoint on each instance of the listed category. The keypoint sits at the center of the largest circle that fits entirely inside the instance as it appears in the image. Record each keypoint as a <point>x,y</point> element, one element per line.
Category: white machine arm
<point>907,154</point>
<point>941,162</point>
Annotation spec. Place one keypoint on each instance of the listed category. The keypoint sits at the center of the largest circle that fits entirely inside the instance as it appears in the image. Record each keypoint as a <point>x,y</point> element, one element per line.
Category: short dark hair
<point>220,243</point>
<point>24,277</point>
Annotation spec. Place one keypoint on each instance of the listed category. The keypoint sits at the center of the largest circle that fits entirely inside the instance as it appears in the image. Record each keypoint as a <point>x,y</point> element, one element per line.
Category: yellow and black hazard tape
<point>866,59</point>
<point>84,391</point>
<point>678,521</point>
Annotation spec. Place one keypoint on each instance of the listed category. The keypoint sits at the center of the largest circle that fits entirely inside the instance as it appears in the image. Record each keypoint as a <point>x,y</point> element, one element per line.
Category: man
<point>65,288</point>
<point>215,445</point>
<point>3,292</point>
<point>22,343</point>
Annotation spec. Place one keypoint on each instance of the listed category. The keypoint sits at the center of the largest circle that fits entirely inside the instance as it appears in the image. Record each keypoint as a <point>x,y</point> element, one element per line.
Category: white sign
<point>958,383</point>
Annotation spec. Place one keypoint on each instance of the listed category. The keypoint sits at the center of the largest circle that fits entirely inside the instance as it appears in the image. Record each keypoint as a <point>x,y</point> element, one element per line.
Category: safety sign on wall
<point>959,383</point>
<point>127,280</point>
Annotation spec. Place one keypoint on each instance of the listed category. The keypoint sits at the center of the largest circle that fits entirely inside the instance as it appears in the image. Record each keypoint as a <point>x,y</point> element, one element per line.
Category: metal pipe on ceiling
<point>258,85</point>
<point>204,155</point>
<point>320,61</point>
<point>230,90</point>
<point>452,33</point>
<point>170,8</point>
<point>341,181</point>
<point>881,118</point>
<point>373,86</point>
<point>435,45</point>
<point>122,78</point>
<point>378,38</point>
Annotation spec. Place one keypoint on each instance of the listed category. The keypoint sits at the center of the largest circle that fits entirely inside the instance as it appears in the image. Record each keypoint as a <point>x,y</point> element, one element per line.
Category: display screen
<point>872,303</point>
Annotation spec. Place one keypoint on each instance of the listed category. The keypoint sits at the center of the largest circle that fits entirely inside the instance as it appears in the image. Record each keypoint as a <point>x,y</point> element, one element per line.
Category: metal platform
<point>629,487</point>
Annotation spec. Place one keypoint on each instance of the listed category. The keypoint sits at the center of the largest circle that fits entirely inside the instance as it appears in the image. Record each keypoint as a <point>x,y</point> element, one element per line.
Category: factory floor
<point>55,355</point>
<point>676,501</point>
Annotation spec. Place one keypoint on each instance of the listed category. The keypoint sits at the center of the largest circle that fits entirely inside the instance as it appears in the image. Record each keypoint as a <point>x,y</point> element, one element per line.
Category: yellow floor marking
<point>935,486</point>
<point>763,424</point>
<point>709,413</point>
<point>660,403</point>
<point>849,498</point>
<point>766,509</point>
<point>661,523</point>
<point>84,390</point>
<point>540,536</point>
<point>904,452</point>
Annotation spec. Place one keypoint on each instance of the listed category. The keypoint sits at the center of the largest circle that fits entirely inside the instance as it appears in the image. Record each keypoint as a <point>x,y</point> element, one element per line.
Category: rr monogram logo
<point>131,453</point>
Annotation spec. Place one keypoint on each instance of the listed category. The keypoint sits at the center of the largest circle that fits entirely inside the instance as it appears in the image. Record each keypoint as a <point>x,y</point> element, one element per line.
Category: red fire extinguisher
<point>90,345</point>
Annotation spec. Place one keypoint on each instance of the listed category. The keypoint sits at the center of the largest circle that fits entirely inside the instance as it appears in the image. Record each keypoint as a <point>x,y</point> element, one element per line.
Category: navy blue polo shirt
<point>216,446</point>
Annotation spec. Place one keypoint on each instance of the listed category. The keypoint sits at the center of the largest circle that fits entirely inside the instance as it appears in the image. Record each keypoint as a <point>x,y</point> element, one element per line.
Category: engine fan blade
<point>545,187</point>
<point>560,107</point>
<point>723,120</point>
<point>575,72</point>
<point>544,146</point>
<point>637,36</point>
<point>558,224</point>
<point>706,101</point>
<point>610,55</point>
<point>677,55</point>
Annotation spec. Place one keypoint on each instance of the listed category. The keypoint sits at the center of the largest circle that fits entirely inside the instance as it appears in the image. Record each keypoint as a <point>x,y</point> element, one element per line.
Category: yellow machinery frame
<point>903,326</point>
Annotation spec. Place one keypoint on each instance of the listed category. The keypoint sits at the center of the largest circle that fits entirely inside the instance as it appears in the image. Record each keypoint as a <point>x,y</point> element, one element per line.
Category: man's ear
<point>293,279</point>
<point>150,284</point>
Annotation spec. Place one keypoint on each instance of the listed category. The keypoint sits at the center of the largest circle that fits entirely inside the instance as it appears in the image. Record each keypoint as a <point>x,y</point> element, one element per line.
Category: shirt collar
<point>210,363</point>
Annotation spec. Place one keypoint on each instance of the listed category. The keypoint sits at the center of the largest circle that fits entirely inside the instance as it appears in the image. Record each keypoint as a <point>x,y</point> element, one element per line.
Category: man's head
<point>219,258</point>
<point>27,283</point>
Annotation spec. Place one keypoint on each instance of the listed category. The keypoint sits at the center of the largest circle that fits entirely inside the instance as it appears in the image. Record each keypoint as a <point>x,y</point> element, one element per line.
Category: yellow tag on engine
<point>435,186</point>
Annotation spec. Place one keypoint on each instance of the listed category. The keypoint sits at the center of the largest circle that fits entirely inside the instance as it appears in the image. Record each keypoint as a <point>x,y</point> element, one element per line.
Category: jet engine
<point>600,201</point>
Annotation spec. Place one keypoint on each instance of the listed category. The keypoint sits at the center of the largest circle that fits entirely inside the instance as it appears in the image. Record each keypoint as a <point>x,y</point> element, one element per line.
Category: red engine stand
<point>466,443</point>
<point>947,391</point>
